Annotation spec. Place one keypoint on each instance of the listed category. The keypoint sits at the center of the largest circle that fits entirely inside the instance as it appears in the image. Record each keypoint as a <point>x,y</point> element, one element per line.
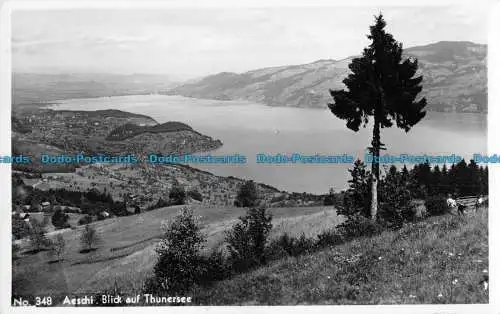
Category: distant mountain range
<point>455,80</point>
<point>33,89</point>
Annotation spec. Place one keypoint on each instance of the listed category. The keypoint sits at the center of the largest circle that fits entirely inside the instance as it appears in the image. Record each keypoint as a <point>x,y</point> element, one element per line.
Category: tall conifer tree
<point>382,85</point>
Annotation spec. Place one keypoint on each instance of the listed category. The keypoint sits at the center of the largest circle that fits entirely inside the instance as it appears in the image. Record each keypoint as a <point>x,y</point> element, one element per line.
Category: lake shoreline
<point>251,128</point>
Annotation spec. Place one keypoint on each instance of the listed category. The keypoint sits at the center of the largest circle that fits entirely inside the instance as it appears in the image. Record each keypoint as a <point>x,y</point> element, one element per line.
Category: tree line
<point>400,191</point>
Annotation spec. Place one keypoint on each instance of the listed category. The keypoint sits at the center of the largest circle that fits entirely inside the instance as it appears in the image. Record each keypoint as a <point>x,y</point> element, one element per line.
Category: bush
<point>37,236</point>
<point>418,208</point>
<point>85,220</point>
<point>195,195</point>
<point>216,268</point>
<point>289,246</point>
<point>20,228</point>
<point>436,205</point>
<point>58,247</point>
<point>247,239</point>
<point>180,263</point>
<point>177,195</point>
<point>394,216</point>
<point>395,199</point>
<point>89,239</point>
<point>329,237</point>
<point>359,226</point>
<point>247,195</point>
<point>60,219</point>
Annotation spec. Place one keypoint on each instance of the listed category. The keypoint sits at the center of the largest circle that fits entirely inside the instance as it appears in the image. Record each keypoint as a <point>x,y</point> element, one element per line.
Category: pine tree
<point>483,180</point>
<point>420,180</point>
<point>435,181</point>
<point>405,175</point>
<point>474,186</point>
<point>356,199</point>
<point>459,175</point>
<point>445,180</point>
<point>382,85</point>
<point>395,199</point>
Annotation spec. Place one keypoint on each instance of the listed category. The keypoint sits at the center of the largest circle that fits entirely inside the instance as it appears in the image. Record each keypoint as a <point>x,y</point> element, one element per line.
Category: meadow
<point>442,259</point>
<point>126,254</point>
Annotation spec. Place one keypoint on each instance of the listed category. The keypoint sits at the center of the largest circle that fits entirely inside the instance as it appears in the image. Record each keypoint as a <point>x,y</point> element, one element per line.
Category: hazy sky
<point>188,43</point>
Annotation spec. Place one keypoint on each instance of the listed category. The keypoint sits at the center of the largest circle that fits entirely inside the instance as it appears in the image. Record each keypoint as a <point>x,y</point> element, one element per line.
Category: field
<point>126,254</point>
<point>439,260</point>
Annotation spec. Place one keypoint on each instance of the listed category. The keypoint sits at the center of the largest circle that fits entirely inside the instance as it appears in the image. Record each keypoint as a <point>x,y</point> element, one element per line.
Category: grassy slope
<point>413,265</point>
<point>126,253</point>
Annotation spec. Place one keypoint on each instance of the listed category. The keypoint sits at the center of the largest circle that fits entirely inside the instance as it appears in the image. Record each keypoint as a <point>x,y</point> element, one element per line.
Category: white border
<point>494,146</point>
<point>5,141</point>
<point>128,4</point>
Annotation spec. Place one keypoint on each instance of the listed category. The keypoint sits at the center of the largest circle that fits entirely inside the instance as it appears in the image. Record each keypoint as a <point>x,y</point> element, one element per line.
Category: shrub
<point>393,216</point>
<point>20,228</point>
<point>60,219</point>
<point>195,195</point>
<point>85,220</point>
<point>290,246</point>
<point>418,208</point>
<point>247,239</point>
<point>436,205</point>
<point>89,239</point>
<point>395,199</point>
<point>329,237</point>
<point>216,267</point>
<point>37,235</point>
<point>247,195</point>
<point>58,247</point>
<point>358,226</point>
<point>180,263</point>
<point>177,195</point>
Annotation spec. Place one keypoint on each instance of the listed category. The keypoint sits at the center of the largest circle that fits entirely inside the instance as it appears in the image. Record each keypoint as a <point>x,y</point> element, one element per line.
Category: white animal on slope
<point>479,202</point>
<point>451,202</point>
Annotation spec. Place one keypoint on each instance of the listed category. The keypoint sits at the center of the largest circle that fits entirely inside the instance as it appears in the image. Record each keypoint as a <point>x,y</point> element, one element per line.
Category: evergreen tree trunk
<point>384,86</point>
<point>375,169</point>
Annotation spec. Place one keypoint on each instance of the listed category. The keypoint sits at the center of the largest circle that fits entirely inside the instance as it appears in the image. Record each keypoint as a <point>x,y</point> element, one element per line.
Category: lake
<point>249,128</point>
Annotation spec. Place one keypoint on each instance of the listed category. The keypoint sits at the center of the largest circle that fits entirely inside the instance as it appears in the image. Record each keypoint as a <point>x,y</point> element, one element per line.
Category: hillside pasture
<point>126,252</point>
<point>439,260</point>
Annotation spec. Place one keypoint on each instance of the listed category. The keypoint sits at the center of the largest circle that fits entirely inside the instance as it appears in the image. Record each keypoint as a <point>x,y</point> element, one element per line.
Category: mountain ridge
<point>455,80</point>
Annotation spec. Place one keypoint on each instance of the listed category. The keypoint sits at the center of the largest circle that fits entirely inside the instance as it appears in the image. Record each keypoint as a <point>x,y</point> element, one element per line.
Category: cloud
<point>203,41</point>
<point>113,39</point>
